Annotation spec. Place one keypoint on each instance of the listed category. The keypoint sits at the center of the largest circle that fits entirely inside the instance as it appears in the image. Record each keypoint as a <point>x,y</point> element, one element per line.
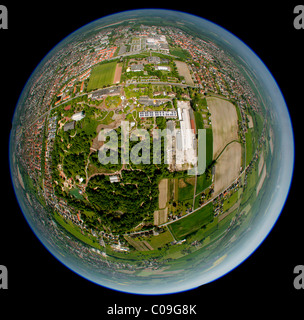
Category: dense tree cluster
<point>118,206</point>
<point>123,205</point>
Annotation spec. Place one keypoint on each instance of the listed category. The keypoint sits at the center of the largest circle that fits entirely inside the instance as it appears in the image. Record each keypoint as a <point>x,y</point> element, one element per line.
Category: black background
<point>264,282</point>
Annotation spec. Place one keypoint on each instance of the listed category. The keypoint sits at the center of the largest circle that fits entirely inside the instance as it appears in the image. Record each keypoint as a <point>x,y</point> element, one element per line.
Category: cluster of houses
<point>32,148</point>
<point>156,61</point>
<point>228,82</point>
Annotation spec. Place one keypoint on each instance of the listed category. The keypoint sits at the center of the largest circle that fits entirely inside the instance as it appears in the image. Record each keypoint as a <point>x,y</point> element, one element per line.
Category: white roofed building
<point>167,114</point>
<point>78,116</point>
<point>114,179</point>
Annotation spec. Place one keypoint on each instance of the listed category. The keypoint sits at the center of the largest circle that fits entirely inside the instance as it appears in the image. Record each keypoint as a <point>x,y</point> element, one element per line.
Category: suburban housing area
<point>150,77</point>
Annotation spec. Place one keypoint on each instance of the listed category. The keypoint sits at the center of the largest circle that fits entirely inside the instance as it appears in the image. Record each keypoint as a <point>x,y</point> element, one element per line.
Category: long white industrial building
<point>185,138</point>
<point>187,134</point>
<point>161,113</point>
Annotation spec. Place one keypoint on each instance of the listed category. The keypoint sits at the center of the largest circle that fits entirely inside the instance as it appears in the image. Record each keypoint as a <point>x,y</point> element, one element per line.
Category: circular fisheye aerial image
<point>151,151</point>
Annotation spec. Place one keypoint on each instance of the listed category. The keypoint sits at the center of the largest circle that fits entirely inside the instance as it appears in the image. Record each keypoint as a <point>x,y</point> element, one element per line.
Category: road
<point>188,214</point>
<point>183,85</point>
<point>238,177</point>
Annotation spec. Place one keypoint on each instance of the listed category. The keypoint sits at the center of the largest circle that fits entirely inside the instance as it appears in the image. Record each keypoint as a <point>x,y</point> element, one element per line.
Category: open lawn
<point>102,75</point>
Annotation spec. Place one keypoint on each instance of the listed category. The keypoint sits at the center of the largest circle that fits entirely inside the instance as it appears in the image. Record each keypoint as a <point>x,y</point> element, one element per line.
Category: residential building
<point>69,126</point>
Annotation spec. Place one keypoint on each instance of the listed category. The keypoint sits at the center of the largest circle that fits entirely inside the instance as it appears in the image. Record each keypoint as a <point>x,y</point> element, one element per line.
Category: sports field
<point>102,75</point>
<point>118,71</point>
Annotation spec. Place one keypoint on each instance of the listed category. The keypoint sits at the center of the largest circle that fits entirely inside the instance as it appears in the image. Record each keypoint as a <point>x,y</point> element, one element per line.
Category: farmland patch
<point>224,123</point>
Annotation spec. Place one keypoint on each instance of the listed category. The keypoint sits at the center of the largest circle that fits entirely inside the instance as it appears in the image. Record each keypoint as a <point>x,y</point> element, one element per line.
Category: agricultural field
<point>160,216</point>
<point>163,193</point>
<point>138,244</point>
<point>227,167</point>
<point>160,240</point>
<point>227,150</point>
<point>209,147</point>
<point>195,221</point>
<point>186,188</point>
<point>102,75</point>
<point>202,183</point>
<point>224,123</point>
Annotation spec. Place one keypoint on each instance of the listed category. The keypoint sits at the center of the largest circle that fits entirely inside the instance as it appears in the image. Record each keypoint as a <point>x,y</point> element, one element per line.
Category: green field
<point>179,52</point>
<point>249,146</point>
<point>76,194</point>
<point>186,192</point>
<point>195,221</point>
<point>76,231</point>
<point>202,183</point>
<point>108,118</point>
<point>209,147</point>
<point>160,240</point>
<point>199,121</point>
<point>102,75</point>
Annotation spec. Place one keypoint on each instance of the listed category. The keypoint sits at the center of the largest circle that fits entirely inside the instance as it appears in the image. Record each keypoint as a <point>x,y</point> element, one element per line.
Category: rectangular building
<point>78,116</point>
<point>179,114</point>
<point>69,126</point>
<point>114,179</point>
<point>137,67</point>
<point>150,114</point>
<point>163,68</point>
